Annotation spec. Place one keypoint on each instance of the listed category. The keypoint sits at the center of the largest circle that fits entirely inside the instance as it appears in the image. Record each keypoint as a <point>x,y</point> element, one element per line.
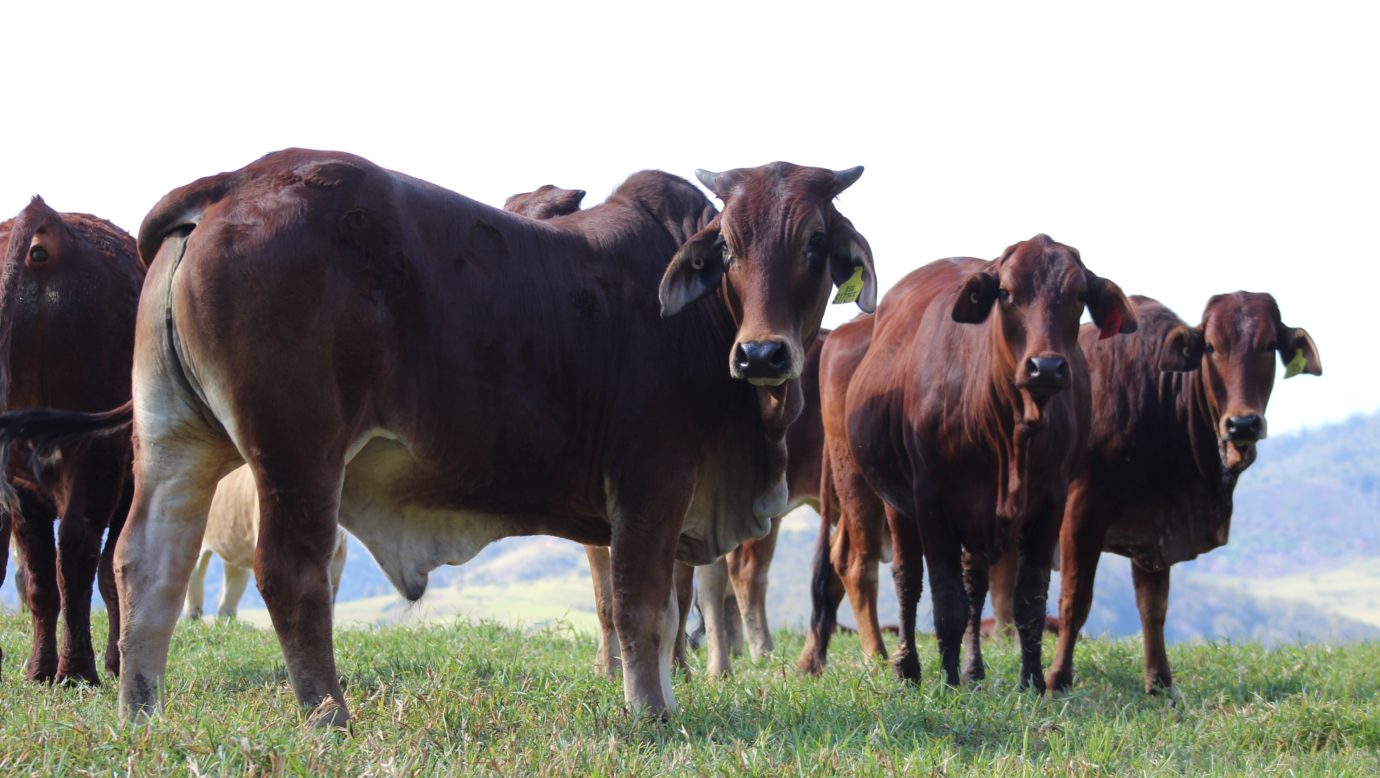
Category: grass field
<point>487,699</point>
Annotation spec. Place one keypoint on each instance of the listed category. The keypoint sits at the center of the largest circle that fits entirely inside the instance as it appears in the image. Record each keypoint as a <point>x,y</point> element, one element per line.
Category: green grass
<point>488,699</point>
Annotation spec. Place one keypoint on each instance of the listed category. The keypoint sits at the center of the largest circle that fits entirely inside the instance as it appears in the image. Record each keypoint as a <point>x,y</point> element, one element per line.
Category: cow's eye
<point>1082,298</point>
<point>724,250</point>
<point>814,249</point>
<point>1004,294</point>
<point>1208,349</point>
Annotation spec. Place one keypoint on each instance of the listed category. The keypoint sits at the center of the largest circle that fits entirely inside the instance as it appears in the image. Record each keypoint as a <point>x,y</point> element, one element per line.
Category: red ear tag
<point>1112,326</point>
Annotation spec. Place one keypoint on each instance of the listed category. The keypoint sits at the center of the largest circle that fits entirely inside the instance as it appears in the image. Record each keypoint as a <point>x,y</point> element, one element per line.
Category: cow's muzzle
<point>763,362</point>
<point>1044,375</point>
<point>1244,429</point>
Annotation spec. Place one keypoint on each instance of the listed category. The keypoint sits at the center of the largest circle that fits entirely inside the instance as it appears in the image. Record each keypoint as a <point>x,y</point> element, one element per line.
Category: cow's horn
<point>846,178</point>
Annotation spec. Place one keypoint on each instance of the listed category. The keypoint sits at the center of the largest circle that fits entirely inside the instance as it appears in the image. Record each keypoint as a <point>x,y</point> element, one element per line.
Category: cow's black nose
<point>1245,429</point>
<point>1047,373</point>
<point>766,359</point>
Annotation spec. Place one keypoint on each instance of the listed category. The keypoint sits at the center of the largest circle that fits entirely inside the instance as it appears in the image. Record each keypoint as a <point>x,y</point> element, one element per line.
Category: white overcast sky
<point>1184,148</point>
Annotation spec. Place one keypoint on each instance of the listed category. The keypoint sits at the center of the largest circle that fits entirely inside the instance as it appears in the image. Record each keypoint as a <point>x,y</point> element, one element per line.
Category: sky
<point>1185,149</point>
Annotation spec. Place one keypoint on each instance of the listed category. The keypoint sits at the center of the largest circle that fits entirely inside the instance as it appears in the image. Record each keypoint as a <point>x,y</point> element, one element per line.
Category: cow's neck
<point>1198,419</point>
<point>1004,420</point>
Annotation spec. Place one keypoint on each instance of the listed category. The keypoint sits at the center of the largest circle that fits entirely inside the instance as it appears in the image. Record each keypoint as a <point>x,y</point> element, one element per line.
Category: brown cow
<point>440,374</point>
<point>70,288</point>
<point>961,426</point>
<point>1165,451</point>
<point>548,202</point>
<point>735,587</point>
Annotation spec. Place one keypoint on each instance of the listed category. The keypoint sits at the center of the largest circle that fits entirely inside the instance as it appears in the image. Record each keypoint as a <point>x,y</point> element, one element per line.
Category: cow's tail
<point>48,430</point>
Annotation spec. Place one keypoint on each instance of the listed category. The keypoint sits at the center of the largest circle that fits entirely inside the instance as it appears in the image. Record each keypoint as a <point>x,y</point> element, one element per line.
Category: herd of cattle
<point>313,342</point>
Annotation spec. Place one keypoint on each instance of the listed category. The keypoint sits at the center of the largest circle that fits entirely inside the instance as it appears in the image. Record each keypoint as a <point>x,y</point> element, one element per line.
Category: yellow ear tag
<point>1296,365</point>
<point>850,289</point>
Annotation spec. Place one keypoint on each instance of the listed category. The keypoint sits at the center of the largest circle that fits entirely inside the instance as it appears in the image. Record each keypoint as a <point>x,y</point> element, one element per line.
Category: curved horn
<point>846,178</point>
<point>710,179</point>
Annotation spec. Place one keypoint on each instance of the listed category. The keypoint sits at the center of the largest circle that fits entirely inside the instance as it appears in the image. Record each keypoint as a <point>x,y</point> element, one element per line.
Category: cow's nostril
<point>1032,368</point>
<point>780,358</point>
<point>740,358</point>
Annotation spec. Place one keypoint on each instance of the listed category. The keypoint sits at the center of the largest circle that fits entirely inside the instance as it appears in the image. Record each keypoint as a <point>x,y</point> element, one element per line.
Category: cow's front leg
<point>1032,588</point>
<point>713,589</point>
<point>1152,598</point>
<point>975,586</point>
<point>648,513</point>
<point>944,555</point>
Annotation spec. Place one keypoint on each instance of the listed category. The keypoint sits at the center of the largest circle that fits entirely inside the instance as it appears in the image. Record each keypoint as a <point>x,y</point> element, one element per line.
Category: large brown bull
<point>439,374</point>
<point>959,426</point>
<point>1177,412</point>
<point>68,296</point>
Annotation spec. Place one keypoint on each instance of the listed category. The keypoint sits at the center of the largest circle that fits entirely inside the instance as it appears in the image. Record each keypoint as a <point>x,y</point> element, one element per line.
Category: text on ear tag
<point>850,289</point>
<point>1112,325</point>
<point>1296,365</point>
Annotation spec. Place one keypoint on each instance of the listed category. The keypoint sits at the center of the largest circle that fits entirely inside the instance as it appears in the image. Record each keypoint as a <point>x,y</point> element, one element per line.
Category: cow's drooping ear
<point>1183,350</point>
<point>1111,311</point>
<point>976,297</point>
<point>694,271</point>
<point>1298,352</point>
<point>848,252</point>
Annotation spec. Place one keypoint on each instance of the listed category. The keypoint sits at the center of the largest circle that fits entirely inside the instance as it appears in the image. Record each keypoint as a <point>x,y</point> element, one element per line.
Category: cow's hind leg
<point>105,576</point>
<point>299,501</point>
<point>748,569</point>
<point>606,660</point>
<point>975,586</point>
<point>684,581</point>
<point>33,529</point>
<point>196,586</point>
<point>236,581</point>
<point>155,556</point>
<point>713,590</point>
<point>908,573</point>
<point>826,592</point>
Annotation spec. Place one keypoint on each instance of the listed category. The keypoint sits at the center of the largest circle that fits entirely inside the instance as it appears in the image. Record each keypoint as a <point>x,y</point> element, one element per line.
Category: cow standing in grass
<point>436,374</point>
<point>68,296</point>
<point>1177,411</point>
<point>958,428</point>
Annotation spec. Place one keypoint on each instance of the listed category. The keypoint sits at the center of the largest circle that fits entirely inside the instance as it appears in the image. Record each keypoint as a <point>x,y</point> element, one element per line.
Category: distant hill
<point>1303,564</point>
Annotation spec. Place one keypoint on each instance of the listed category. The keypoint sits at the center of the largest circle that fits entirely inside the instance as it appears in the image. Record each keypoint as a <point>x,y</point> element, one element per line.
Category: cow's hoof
<point>907,669</point>
<point>41,672</point>
<point>1057,681</point>
<point>1035,682</point>
<point>330,714</point>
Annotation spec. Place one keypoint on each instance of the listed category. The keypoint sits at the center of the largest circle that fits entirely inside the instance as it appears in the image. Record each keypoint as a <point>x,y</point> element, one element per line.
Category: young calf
<point>961,425</point>
<point>1177,411</point>
<point>232,533</point>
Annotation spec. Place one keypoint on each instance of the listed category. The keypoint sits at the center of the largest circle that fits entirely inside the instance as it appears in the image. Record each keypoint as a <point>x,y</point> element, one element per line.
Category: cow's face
<point>1235,348</point>
<point>1039,289</point>
<point>774,253</point>
<point>545,202</point>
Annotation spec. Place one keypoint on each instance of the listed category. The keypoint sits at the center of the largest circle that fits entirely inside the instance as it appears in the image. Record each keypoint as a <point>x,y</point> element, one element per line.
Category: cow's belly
<point>409,538</point>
